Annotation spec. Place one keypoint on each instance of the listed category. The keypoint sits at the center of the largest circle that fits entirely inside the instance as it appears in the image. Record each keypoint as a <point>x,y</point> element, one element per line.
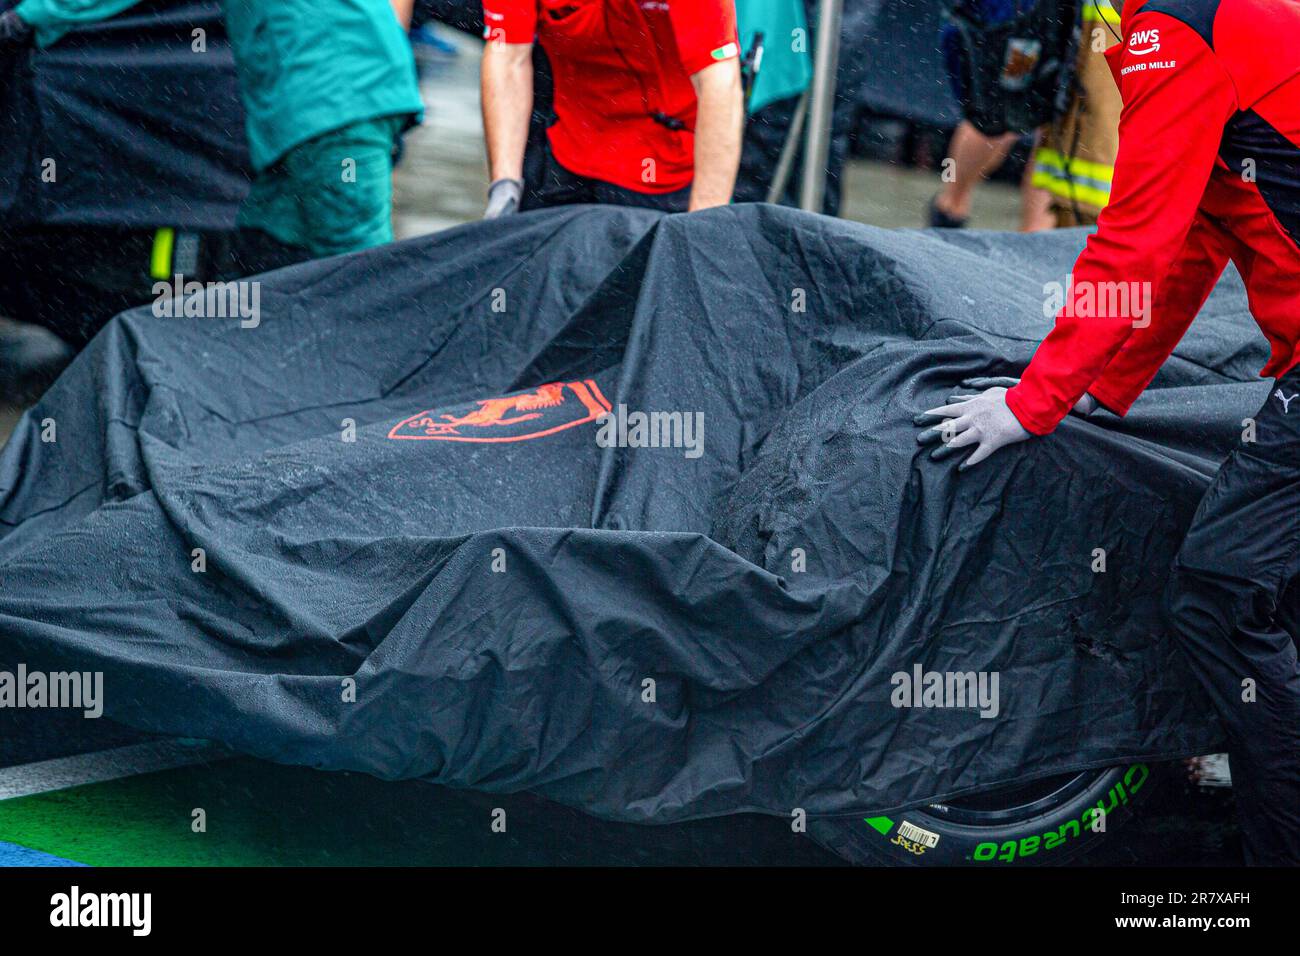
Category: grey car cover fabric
<point>375,526</point>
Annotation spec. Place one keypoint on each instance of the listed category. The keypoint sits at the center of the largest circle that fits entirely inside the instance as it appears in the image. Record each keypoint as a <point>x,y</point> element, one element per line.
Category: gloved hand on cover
<point>503,198</point>
<point>982,420</point>
<point>1084,407</point>
<point>14,31</point>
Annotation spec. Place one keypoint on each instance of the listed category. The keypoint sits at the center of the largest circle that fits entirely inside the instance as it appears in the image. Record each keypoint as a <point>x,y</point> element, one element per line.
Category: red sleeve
<point>1179,298</point>
<point>1177,98</point>
<point>705,31</point>
<point>510,21</point>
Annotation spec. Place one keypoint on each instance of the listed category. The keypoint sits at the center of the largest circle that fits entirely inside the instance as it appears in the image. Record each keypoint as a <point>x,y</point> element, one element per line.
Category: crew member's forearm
<point>1166,158</point>
<point>507,93</point>
<point>719,125</point>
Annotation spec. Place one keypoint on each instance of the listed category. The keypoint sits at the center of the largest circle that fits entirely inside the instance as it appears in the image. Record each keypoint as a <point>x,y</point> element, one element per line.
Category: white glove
<point>1084,407</point>
<point>503,198</point>
<point>982,420</point>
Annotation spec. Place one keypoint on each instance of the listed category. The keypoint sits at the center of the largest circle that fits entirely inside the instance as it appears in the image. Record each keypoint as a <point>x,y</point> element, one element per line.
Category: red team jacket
<point>1208,170</point>
<point>616,64</point>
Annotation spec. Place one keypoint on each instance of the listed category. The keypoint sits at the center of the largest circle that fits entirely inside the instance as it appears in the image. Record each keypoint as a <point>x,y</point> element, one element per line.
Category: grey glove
<point>14,31</point>
<point>1084,407</point>
<point>982,420</point>
<point>503,198</point>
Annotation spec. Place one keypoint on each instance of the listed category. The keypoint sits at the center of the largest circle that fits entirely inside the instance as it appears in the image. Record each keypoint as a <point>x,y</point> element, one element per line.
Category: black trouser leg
<point>611,195</point>
<point>1234,601</point>
<point>547,183</point>
<point>254,252</point>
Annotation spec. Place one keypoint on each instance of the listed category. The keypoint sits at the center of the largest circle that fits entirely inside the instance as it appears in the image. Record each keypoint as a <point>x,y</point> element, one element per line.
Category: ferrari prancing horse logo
<point>543,411</point>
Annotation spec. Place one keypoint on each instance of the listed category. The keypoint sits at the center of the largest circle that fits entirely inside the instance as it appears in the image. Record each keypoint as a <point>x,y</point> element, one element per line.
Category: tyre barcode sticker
<point>910,831</point>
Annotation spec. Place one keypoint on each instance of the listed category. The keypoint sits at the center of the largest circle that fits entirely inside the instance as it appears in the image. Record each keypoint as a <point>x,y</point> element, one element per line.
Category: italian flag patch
<point>726,52</point>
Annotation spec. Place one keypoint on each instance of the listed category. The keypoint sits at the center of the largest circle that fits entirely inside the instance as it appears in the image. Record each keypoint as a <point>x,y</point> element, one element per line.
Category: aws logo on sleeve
<point>1142,42</point>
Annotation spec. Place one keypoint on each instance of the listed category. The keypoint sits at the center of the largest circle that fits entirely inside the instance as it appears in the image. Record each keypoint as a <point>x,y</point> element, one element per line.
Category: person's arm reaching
<point>1177,301</point>
<point>51,19</point>
<point>719,126</point>
<point>507,90</point>
<point>1177,98</point>
<point>985,419</point>
<point>506,77</point>
<point>709,49</point>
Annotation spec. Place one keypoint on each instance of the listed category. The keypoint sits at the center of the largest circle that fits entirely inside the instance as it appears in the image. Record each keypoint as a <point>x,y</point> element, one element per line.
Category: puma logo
<point>1286,401</point>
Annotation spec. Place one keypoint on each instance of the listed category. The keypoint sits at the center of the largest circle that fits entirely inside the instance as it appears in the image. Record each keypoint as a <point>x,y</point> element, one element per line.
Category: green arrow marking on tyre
<point>882,825</point>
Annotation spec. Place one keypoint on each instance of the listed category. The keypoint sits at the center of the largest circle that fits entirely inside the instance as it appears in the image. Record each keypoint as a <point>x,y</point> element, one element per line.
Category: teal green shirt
<point>786,67</point>
<point>306,67</point>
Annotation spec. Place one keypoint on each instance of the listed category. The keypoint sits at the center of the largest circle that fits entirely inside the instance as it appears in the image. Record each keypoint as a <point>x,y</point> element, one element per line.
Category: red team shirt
<point>615,63</point>
<point>1208,170</point>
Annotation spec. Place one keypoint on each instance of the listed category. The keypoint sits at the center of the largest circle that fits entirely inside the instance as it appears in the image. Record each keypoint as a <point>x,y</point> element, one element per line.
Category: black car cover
<point>383,522</point>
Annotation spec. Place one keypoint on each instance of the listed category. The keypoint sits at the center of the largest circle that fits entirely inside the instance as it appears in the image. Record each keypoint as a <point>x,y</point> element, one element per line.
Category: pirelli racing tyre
<point>1047,822</point>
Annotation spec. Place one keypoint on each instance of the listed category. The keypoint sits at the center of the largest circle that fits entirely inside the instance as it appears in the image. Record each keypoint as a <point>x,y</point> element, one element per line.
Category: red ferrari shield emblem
<point>543,411</point>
